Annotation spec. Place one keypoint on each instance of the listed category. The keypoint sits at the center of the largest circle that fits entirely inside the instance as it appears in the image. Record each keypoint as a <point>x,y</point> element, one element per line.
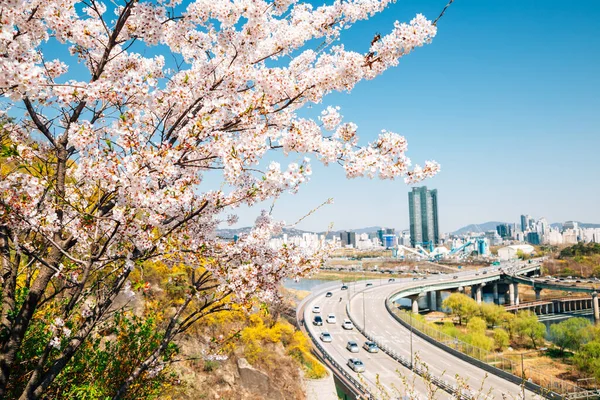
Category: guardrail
<point>418,368</point>
<point>538,382</point>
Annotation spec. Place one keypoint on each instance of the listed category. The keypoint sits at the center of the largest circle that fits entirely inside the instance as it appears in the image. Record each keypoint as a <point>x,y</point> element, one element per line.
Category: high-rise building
<point>527,223</point>
<point>423,215</point>
<point>504,230</point>
<point>533,238</point>
<point>348,239</point>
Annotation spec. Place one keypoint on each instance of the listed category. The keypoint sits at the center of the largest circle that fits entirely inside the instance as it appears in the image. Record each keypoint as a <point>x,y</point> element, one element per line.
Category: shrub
<point>587,358</point>
<point>476,325</point>
<point>480,340</point>
<point>501,339</point>
<point>570,334</point>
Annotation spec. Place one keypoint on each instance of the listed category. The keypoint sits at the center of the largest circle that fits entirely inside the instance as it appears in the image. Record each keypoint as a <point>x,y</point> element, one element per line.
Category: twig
<point>442,13</point>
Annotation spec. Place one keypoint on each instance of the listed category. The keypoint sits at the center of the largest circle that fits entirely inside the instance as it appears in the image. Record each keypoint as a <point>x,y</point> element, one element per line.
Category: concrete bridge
<point>562,305</point>
<point>493,278</point>
<point>504,282</point>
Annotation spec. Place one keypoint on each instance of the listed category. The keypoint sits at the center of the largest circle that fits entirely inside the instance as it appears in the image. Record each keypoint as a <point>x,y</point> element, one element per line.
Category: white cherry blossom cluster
<point>141,131</point>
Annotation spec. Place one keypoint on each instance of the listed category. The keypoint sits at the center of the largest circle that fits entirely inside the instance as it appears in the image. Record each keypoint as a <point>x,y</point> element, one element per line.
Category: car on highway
<point>325,337</point>
<point>356,365</point>
<point>316,309</point>
<point>371,347</point>
<point>391,280</point>
<point>352,346</point>
<point>328,294</point>
<point>484,272</point>
<point>455,277</point>
<point>369,284</point>
<point>318,321</point>
<point>348,324</point>
<point>344,287</point>
<point>331,319</point>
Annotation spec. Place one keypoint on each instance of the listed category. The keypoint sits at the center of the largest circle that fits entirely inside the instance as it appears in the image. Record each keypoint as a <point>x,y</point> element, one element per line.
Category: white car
<point>348,324</point>
<point>331,319</point>
<point>356,365</point>
<point>352,346</point>
<point>316,309</point>
<point>325,337</point>
<point>371,347</point>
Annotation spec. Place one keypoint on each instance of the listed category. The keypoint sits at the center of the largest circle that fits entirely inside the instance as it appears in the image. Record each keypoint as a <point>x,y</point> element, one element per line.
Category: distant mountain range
<point>484,227</point>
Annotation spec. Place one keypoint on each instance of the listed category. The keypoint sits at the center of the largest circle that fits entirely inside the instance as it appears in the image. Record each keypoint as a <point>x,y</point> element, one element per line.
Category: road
<point>382,374</point>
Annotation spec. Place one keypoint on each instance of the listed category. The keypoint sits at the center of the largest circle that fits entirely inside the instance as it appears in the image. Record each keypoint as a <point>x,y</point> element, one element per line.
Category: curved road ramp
<point>413,363</point>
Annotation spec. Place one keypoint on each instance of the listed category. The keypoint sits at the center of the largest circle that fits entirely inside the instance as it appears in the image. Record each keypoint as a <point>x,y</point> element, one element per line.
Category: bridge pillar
<point>431,300</point>
<point>438,300</point>
<point>478,293</point>
<point>511,293</point>
<point>414,303</point>
<point>516,294</point>
<point>538,293</point>
<point>596,307</point>
<point>496,298</point>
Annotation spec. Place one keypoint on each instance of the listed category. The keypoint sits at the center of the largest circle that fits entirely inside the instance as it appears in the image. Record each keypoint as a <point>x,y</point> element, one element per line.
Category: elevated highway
<point>385,376</point>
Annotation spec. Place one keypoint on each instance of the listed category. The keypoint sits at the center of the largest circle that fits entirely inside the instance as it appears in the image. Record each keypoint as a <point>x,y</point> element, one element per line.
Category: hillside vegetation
<point>580,259</point>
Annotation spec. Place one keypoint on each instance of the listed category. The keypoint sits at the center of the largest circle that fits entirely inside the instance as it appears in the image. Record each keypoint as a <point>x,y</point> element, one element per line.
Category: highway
<point>382,373</point>
<point>388,331</point>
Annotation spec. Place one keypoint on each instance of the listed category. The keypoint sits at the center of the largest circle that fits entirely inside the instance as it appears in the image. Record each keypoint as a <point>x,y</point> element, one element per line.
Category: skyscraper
<point>348,238</point>
<point>504,230</point>
<point>527,223</point>
<point>423,214</point>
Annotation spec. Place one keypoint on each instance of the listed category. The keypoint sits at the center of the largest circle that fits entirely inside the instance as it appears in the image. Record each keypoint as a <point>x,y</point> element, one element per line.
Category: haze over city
<point>505,99</point>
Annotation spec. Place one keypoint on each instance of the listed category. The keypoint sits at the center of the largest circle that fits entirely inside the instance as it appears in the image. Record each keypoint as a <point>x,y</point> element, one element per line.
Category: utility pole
<point>411,343</point>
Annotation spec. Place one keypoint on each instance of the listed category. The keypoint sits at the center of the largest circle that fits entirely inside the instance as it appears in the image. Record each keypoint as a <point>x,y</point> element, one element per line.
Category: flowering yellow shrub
<point>299,348</point>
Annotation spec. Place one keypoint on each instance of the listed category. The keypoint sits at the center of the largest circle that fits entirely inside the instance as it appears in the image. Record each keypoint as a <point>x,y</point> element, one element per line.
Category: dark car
<point>369,284</point>
<point>318,320</point>
<point>455,277</point>
<point>391,280</point>
<point>344,287</point>
<point>328,294</point>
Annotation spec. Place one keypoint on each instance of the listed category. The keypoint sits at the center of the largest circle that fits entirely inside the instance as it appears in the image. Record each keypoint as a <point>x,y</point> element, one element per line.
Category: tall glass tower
<point>423,212</point>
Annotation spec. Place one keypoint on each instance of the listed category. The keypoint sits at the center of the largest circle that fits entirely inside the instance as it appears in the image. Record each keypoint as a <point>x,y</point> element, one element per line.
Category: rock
<point>256,381</point>
<point>228,378</point>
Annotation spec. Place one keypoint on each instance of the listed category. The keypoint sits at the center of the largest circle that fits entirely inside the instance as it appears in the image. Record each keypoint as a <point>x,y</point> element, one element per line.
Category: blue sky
<point>506,98</point>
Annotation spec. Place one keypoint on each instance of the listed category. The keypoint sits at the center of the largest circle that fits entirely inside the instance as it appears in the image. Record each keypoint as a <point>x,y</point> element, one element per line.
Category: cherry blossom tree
<point>104,151</point>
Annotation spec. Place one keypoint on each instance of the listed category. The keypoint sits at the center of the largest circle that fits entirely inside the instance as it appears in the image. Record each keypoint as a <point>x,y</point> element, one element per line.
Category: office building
<point>504,230</point>
<point>348,239</point>
<point>527,223</point>
<point>533,238</point>
<point>423,215</point>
